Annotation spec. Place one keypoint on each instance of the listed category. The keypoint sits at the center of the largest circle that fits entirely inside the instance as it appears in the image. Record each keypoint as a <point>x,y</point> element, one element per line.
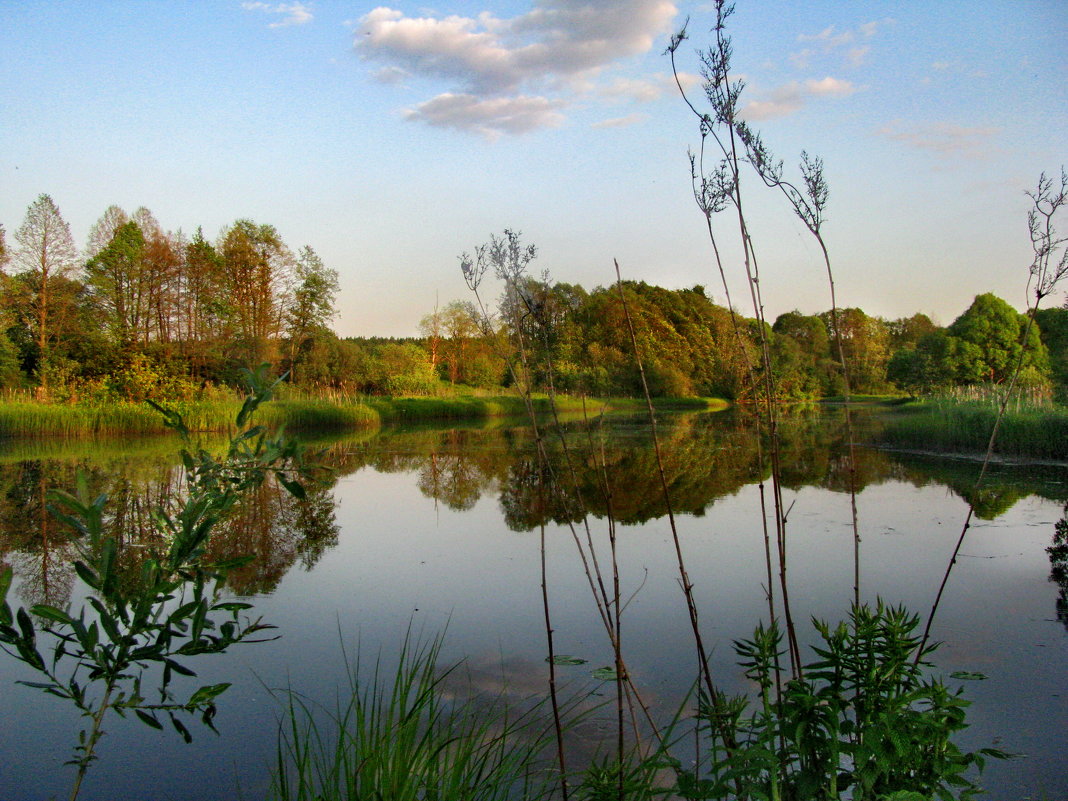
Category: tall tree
<point>258,274</point>
<point>312,304</point>
<point>45,254</point>
<point>104,229</point>
<point>205,310</point>
<point>991,331</point>
<point>113,277</point>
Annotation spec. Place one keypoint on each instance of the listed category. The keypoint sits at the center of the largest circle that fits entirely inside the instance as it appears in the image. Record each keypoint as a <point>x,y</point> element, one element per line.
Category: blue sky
<point>391,138</point>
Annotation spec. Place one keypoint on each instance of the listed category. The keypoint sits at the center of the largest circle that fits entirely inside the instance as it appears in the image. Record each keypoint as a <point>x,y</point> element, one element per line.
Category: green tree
<point>205,307</point>
<point>312,305</point>
<point>1053,330</point>
<point>865,345</point>
<point>113,277</point>
<point>991,331</point>
<point>928,365</point>
<point>908,331</point>
<point>258,271</point>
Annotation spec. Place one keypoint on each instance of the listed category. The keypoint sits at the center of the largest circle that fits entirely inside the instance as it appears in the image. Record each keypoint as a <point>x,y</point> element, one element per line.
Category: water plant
<point>865,721</point>
<point>102,656</point>
<point>405,735</point>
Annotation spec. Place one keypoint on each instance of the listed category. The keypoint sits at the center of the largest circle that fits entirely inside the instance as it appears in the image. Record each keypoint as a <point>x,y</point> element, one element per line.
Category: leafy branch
<point>99,656</point>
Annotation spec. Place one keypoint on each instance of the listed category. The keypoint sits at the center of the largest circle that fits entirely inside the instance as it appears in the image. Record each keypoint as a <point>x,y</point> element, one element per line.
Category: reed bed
<point>32,420</point>
<point>36,420</point>
<point>1033,431</point>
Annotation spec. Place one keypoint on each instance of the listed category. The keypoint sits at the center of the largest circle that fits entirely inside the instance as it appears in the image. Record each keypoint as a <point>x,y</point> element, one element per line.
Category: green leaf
<point>563,659</point>
<point>232,606</point>
<point>207,693</point>
<point>604,674</point>
<point>5,582</point>
<point>87,575</point>
<point>295,488</point>
<point>51,613</point>
<point>37,685</point>
<point>148,719</point>
<point>967,675</point>
<point>179,668</point>
<point>181,729</point>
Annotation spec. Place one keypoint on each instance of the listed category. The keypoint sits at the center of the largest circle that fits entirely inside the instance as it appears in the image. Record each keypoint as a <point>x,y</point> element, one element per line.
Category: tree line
<point>579,342</point>
<point>152,305</point>
<point>142,311</point>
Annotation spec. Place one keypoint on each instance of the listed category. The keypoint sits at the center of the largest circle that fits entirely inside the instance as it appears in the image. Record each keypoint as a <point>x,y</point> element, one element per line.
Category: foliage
<point>312,306</point>
<point>102,654</point>
<point>991,332</point>
<point>1058,565</point>
<point>1053,328</point>
<point>864,721</point>
<point>1039,432</point>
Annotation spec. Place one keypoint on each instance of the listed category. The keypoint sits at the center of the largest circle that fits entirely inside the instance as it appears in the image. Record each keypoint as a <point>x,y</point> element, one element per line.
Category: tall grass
<point>1034,431</point>
<point>30,419</point>
<point>400,736</point>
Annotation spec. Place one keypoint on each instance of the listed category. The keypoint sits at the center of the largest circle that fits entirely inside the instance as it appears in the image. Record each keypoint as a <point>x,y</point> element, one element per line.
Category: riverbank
<point>29,419</point>
<point>949,426</point>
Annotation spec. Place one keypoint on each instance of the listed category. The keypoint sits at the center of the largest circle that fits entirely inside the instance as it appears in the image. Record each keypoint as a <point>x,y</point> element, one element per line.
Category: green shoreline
<point>965,426</point>
<point>21,420</point>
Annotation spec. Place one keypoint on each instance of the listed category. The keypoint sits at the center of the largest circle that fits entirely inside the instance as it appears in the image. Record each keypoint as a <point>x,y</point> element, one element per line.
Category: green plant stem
<point>91,741</point>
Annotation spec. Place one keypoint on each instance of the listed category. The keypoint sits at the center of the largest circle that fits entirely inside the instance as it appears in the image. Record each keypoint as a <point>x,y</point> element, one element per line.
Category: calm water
<point>439,530</point>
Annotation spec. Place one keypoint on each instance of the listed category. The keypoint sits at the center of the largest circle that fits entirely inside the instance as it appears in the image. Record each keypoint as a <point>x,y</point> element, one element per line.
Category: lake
<point>435,530</point>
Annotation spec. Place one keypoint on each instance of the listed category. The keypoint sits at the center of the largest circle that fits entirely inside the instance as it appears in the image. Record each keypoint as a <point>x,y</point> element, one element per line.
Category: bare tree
<point>45,254</point>
<point>104,229</point>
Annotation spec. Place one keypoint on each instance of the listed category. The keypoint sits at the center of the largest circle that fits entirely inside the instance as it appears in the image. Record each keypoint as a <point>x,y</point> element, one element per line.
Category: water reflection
<point>269,524</point>
<point>1058,565</point>
<point>408,527</point>
<point>706,457</point>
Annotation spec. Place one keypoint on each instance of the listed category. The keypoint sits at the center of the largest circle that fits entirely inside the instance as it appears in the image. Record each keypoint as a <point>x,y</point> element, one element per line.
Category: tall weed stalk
<point>1049,266</point>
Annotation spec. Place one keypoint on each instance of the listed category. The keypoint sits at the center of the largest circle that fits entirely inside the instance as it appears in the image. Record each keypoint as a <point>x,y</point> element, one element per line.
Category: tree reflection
<point>1058,565</point>
<point>271,525</point>
<point>706,457</point>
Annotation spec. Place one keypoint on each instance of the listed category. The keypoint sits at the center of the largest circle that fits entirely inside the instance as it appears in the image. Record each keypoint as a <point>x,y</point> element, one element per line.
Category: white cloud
<point>391,75</point>
<point>801,59</point>
<point>829,87</point>
<point>646,90</point>
<point>621,122</point>
<point>827,38</point>
<point>856,55</point>
<point>943,138</point>
<point>294,13</point>
<point>556,40</point>
<point>488,117</point>
<point>792,97</point>
<point>830,40</point>
<point>558,48</point>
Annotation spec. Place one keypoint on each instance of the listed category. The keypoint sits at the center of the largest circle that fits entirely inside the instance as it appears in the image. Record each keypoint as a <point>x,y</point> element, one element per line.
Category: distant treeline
<point>146,312</point>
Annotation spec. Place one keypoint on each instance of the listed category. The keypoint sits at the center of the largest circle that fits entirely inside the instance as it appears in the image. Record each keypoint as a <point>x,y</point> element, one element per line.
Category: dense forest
<point>142,311</point>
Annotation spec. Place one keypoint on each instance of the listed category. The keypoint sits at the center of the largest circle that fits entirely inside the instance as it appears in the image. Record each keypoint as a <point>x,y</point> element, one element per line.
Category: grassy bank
<point>1039,432</point>
<point>27,419</point>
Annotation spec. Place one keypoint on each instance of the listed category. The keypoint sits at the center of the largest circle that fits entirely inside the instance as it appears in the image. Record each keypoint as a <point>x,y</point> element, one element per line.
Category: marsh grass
<point>1033,431</point>
<point>402,735</point>
<point>32,420</point>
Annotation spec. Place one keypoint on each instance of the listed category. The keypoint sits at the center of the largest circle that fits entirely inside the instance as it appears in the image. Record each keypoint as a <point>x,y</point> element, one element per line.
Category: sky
<point>393,138</point>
